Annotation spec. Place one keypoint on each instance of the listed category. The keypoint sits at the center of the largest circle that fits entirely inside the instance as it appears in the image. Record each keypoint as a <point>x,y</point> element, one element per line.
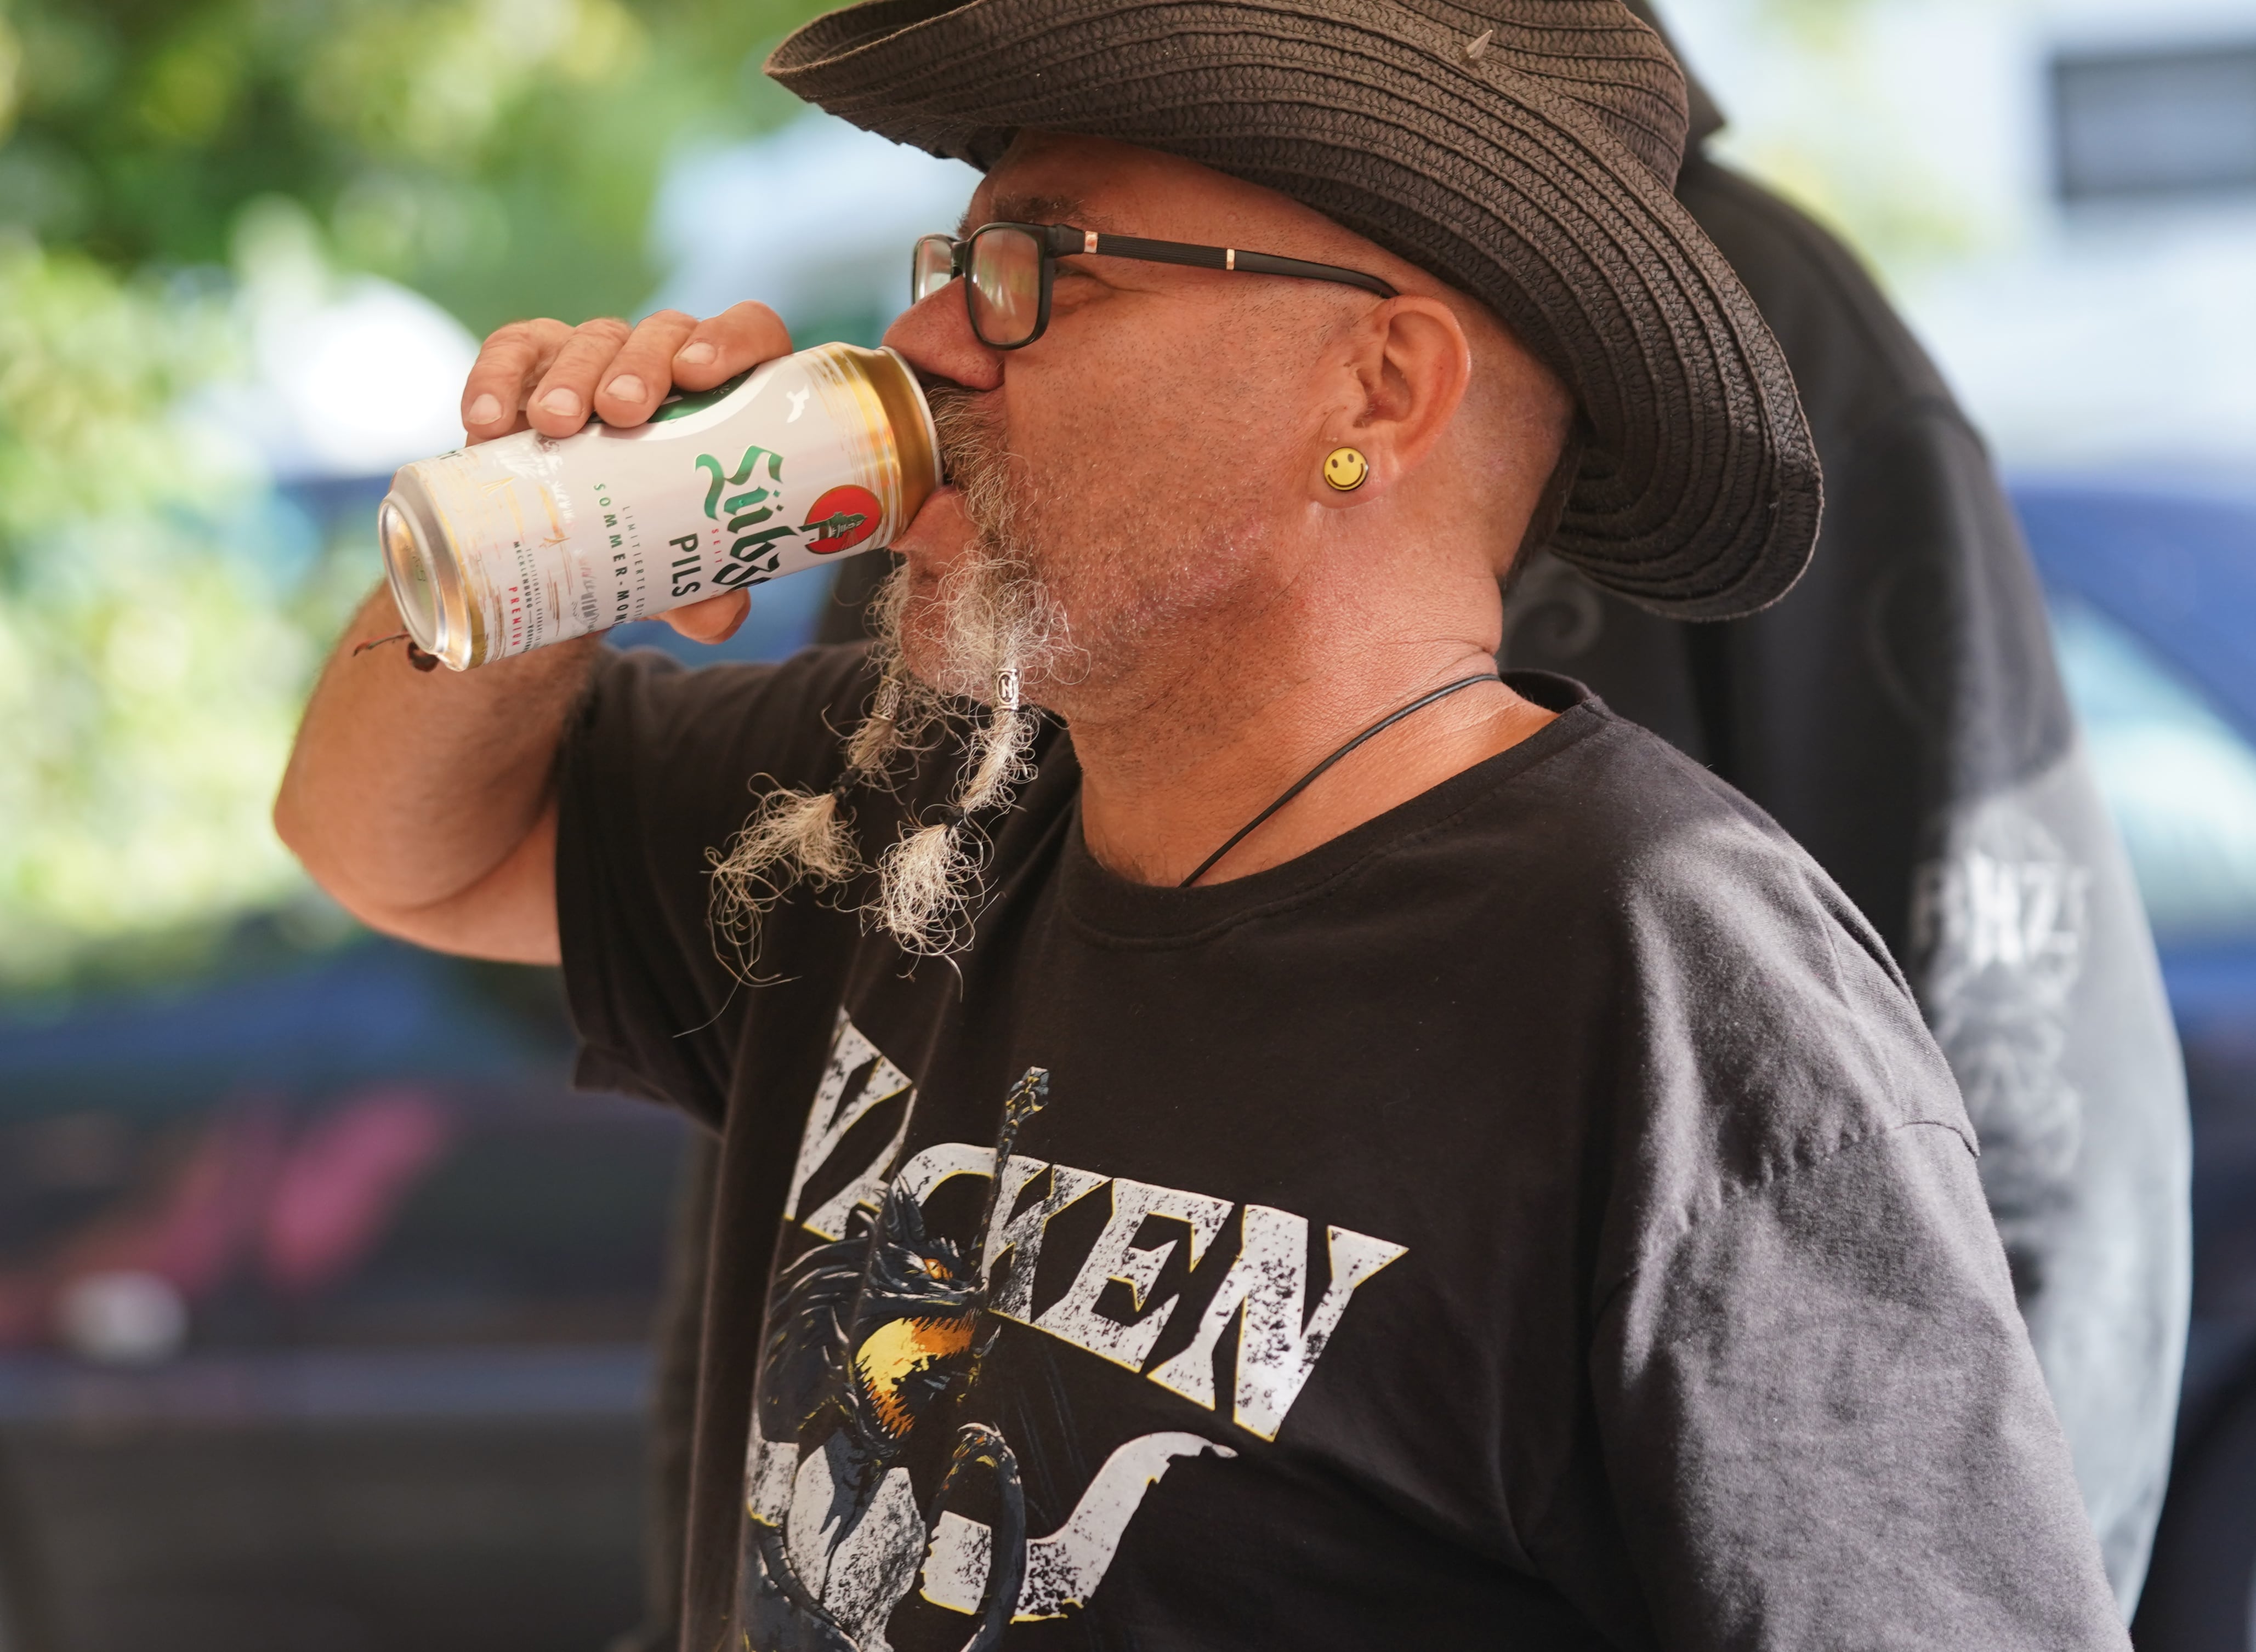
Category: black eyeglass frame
<point>1067,240</point>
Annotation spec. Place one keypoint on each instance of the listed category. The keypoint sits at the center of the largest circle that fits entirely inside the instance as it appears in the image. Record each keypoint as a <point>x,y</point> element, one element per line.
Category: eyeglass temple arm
<point>1066,240</point>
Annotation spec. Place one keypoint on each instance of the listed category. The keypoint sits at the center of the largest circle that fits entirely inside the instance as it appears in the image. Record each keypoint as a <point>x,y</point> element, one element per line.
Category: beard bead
<point>996,756</point>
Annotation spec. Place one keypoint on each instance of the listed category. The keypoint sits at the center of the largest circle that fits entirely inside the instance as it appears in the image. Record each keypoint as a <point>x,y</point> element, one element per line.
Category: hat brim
<point>1698,492</point>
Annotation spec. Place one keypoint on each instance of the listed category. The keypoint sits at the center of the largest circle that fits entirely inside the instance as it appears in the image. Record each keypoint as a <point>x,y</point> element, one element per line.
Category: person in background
<point>1900,713</point>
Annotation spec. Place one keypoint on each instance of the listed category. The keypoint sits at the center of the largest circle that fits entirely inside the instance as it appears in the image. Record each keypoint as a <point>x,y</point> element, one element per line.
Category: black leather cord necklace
<point>1309,778</point>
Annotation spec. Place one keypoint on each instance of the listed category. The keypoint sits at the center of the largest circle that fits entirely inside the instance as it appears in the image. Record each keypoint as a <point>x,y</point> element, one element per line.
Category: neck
<point>1257,702</point>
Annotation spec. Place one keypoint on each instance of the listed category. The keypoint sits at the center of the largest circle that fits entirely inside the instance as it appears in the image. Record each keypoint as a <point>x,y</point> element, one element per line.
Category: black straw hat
<point>1522,151</point>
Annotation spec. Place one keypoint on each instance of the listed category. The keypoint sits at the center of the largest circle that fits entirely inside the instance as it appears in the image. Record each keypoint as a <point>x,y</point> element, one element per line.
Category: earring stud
<point>1345,469</point>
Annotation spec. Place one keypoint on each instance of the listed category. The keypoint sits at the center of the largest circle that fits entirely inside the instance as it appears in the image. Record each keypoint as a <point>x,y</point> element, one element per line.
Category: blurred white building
<point>2061,194</point>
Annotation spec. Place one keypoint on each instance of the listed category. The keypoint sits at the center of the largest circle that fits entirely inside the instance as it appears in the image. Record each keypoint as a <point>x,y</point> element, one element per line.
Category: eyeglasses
<point>1011,267</point>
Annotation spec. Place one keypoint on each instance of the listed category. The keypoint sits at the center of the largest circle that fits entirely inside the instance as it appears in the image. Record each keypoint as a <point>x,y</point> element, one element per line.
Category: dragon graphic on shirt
<point>875,1337</point>
<point>868,1336</point>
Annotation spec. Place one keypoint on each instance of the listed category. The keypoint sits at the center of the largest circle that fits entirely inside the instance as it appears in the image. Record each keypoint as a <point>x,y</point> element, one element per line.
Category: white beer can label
<point>529,540</point>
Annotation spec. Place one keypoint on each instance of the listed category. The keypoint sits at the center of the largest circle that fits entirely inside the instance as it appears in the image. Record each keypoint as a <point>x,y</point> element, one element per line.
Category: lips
<point>939,505</point>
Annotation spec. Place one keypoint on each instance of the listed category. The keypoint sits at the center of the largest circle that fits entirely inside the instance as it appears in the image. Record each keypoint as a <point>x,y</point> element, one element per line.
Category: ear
<point>1407,365</point>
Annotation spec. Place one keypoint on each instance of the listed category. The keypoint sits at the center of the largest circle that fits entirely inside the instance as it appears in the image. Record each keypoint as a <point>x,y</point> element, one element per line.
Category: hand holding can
<point>530,539</point>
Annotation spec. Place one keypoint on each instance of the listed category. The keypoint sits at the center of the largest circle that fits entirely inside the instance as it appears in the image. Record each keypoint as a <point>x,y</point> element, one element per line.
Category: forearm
<point>414,797</point>
<point>424,801</point>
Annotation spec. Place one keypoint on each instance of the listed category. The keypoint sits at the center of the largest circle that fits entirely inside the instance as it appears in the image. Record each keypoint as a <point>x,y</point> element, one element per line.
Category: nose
<point>934,335</point>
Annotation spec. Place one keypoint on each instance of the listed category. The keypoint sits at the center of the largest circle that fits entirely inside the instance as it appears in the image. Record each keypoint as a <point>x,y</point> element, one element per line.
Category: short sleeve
<point>658,768</point>
<point>1814,1419</point>
<point>1823,1425</point>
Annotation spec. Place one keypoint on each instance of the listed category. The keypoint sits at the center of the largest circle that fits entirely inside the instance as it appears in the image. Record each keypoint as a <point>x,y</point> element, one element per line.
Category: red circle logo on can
<point>841,519</point>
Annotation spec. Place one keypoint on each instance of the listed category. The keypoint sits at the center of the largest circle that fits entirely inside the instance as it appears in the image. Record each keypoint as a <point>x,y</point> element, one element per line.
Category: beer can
<point>530,539</point>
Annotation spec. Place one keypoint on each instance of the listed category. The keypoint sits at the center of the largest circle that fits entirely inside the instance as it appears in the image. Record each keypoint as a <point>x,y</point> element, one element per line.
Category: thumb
<point>714,618</point>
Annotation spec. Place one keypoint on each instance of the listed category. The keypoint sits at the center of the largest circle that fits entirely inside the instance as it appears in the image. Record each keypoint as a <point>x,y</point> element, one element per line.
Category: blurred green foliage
<point>143,671</point>
<point>499,155</point>
<point>162,607</point>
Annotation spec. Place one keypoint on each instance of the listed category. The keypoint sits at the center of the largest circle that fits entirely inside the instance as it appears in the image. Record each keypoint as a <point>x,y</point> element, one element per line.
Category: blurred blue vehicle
<point>323,1306</point>
<point>2154,600</point>
<point>325,1302</point>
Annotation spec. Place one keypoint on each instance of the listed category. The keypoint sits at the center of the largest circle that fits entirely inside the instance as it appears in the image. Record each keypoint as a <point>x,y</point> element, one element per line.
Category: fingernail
<point>485,410</point>
<point>561,402</point>
<point>626,388</point>
<point>698,354</point>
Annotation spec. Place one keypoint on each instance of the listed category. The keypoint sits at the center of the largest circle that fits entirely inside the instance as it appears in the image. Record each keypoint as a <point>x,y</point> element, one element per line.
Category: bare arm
<point>424,802</point>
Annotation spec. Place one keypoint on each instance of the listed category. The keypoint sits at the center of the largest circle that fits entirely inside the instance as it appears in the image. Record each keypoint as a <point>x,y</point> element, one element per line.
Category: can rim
<point>916,437</point>
<point>401,533</point>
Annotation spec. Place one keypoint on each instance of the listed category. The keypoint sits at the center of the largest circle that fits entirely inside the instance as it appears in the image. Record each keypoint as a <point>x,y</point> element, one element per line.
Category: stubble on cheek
<point>1173,503</point>
<point>1112,566</point>
<point>1151,571</point>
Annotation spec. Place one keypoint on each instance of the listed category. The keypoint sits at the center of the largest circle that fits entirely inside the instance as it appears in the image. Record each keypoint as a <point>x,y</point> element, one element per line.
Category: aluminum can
<point>529,539</point>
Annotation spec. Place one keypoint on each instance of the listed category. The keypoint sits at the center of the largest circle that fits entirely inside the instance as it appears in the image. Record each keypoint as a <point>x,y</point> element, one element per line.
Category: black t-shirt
<point>1535,1218</point>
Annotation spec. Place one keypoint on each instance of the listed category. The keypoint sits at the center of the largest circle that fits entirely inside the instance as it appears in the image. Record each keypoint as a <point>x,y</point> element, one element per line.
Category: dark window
<point>2145,123</point>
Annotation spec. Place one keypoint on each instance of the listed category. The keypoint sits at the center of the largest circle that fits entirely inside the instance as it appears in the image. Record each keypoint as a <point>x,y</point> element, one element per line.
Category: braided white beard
<point>991,625</point>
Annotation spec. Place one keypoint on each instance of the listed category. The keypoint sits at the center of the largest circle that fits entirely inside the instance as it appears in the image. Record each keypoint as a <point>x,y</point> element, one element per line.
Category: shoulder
<point>662,765</point>
<point>690,750</point>
<point>1759,1012</point>
<point>793,710</point>
<point>1630,823</point>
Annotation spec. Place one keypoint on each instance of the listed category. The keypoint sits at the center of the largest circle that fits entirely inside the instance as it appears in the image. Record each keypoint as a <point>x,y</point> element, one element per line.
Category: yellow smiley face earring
<point>1345,469</point>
